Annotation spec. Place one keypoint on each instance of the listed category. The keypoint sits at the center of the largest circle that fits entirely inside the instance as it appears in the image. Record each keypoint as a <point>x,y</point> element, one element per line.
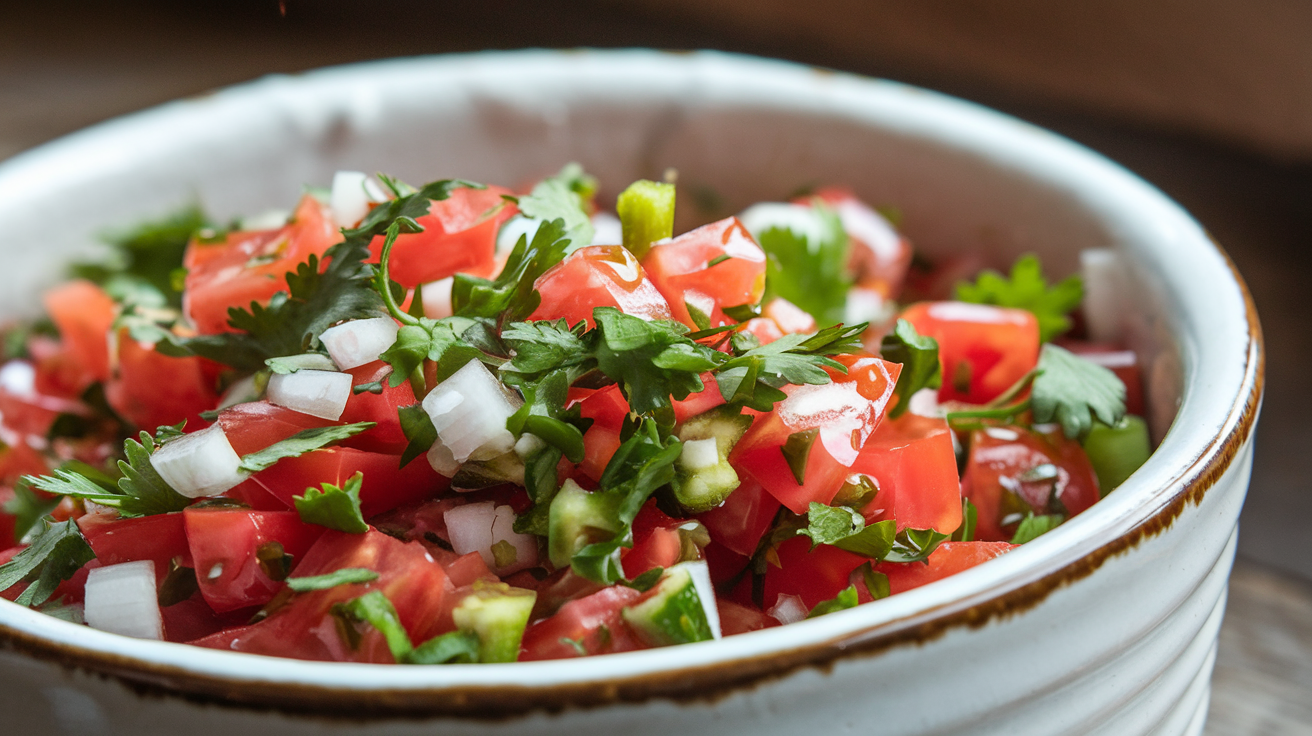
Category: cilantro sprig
<point>809,269</point>
<point>140,492</point>
<point>918,355</point>
<point>58,550</point>
<point>1027,289</point>
<point>334,507</point>
<point>755,377</point>
<point>306,440</point>
<point>376,611</point>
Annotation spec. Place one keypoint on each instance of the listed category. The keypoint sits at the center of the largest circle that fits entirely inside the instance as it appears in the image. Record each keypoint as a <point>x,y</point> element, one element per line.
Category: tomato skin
<point>460,235</point>
<point>912,460</point>
<point>736,618</point>
<point>845,411</point>
<point>997,346</point>
<point>815,575</point>
<point>377,408</point>
<point>598,276</point>
<point>84,315</point>
<point>255,425</point>
<point>466,569</point>
<point>159,538</point>
<point>702,401</point>
<point>679,269</point>
<point>743,518</point>
<point>251,266</point>
<point>656,541</point>
<point>582,620</point>
<point>998,456</point>
<point>949,559</point>
<point>304,629</point>
<point>223,544</point>
<point>599,445</point>
<point>151,389</point>
<point>385,486</point>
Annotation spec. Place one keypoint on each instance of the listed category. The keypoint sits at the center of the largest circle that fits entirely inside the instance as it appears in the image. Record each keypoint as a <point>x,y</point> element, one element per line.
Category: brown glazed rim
<point>704,683</point>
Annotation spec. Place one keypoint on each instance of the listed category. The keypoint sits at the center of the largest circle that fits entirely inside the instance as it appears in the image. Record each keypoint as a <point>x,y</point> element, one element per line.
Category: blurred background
<point>1211,100</point>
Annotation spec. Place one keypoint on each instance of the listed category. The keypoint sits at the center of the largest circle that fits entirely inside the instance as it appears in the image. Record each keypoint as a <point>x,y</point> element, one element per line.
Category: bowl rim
<point>1013,584</point>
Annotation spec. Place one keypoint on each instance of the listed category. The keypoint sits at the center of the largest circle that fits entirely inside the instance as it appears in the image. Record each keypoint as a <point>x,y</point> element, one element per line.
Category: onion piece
<point>437,298</point>
<point>469,411</point>
<point>241,391</point>
<point>796,218</point>
<point>1105,293</point>
<point>701,580</point>
<point>606,229</point>
<point>788,609</point>
<point>524,545</point>
<point>359,341</point>
<point>699,454</point>
<point>266,220</point>
<point>199,464</point>
<point>320,394</point>
<point>351,196</point>
<point>513,229</point>
<point>478,527</point>
<point>122,599</point>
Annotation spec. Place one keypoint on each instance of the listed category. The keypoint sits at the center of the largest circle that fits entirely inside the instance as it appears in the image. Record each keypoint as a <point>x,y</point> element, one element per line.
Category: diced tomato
<point>788,316</point>
<point>743,518</point>
<point>997,478</point>
<point>598,276</point>
<point>255,425</point>
<point>224,544</point>
<point>588,625</point>
<point>656,541</point>
<point>912,461</point>
<point>159,538</point>
<point>193,619</point>
<point>304,628</point>
<point>606,407</point>
<point>815,575</point>
<point>844,413</point>
<point>7,521</point>
<point>20,459</point>
<point>764,330</point>
<point>599,445</point>
<point>736,618</point>
<point>465,569</point>
<point>151,389</point>
<point>880,257</point>
<point>385,485</point>
<point>680,268</point>
<point>949,559</point>
<point>84,314</point>
<point>378,408</point>
<point>460,235</point>
<point>251,266</point>
<point>983,349</point>
<point>702,401</point>
<point>1124,363</point>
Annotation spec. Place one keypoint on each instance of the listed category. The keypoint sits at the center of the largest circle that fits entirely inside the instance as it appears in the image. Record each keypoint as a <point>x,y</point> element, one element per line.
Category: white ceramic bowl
<point>1107,626</point>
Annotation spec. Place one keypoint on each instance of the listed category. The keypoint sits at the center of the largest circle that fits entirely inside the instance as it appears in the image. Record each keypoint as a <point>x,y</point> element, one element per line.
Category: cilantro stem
<point>383,282</point>
<point>1016,389</point>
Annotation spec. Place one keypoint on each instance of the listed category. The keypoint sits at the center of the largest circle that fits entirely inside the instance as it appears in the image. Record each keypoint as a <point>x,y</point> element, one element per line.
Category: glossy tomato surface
<point>460,235</point>
<point>915,467</point>
<point>949,559</point>
<point>226,547</point>
<point>681,270</point>
<point>385,486</point>
<point>983,349</point>
<point>588,625</point>
<point>598,276</point>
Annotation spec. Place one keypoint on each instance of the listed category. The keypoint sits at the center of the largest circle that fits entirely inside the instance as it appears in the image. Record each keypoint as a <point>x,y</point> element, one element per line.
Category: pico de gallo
<point>461,423</point>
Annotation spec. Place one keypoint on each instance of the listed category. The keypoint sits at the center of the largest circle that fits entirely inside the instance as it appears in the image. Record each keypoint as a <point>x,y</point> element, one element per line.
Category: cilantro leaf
<point>451,647</point>
<point>57,552</point>
<point>1073,391</point>
<point>642,464</point>
<point>333,507</point>
<point>374,609</point>
<point>918,355</point>
<point>1027,289</point>
<point>344,576</point>
<point>651,361</point>
<point>547,345</point>
<point>915,545</point>
<point>810,272</point>
<point>562,197</point>
<point>306,440</point>
<point>846,598</point>
<point>418,429</point>
<point>143,261</point>
<point>1032,527</point>
<point>846,529</point>
<point>541,483</point>
<point>511,295</point>
<point>754,377</point>
<point>969,518</point>
<point>140,491</point>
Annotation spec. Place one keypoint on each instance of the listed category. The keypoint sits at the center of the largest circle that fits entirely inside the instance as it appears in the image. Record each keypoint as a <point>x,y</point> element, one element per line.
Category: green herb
<point>449,648</point>
<point>373,608</point>
<point>333,507</point>
<point>846,529</point>
<point>540,481</point>
<point>812,275</point>
<point>306,440</point>
<point>563,197</point>
<point>418,429</point>
<point>645,581</point>
<point>344,576</point>
<point>140,492</point>
<point>797,452</point>
<point>1027,289</point>
<point>876,582</point>
<point>27,507</point>
<point>544,415</point>
<point>57,551</point>
<point>918,355</point>
<point>846,598</point>
<point>140,267</point>
<point>646,211</point>
<point>372,387</point>
<point>306,361</point>
<point>643,463</point>
<point>511,295</point>
<point>969,518</point>
<point>651,361</point>
<point>1073,391</point>
<point>1032,527</point>
<point>754,377</point>
<point>915,545</point>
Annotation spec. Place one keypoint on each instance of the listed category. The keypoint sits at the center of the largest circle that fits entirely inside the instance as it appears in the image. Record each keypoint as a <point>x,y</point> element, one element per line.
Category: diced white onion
<point>527,444</point>
<point>359,341</point>
<point>469,411</point>
<point>870,227</point>
<point>442,461</point>
<point>267,220</point>
<point>18,377</point>
<point>199,464</point>
<point>797,218</point>
<point>1105,293</point>
<point>240,392</point>
<point>606,229</point>
<point>701,580</point>
<point>788,609</point>
<point>437,298</point>
<point>122,599</point>
<point>925,403</point>
<point>525,545</point>
<point>352,194</point>
<point>477,527</point>
<point>512,229</point>
<point>699,454</point>
<point>320,394</point>
<point>867,305</point>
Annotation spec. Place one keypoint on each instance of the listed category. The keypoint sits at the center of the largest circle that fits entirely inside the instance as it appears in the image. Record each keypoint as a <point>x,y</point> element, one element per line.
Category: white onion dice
<point>352,344</point>
<point>320,394</point>
<point>351,196</point>
<point>478,527</point>
<point>606,229</point>
<point>199,464</point>
<point>122,599</point>
<point>469,411</point>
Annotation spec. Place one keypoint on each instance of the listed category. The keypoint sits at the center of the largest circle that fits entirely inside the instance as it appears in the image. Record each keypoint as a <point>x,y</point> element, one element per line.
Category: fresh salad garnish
<point>455,423</point>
